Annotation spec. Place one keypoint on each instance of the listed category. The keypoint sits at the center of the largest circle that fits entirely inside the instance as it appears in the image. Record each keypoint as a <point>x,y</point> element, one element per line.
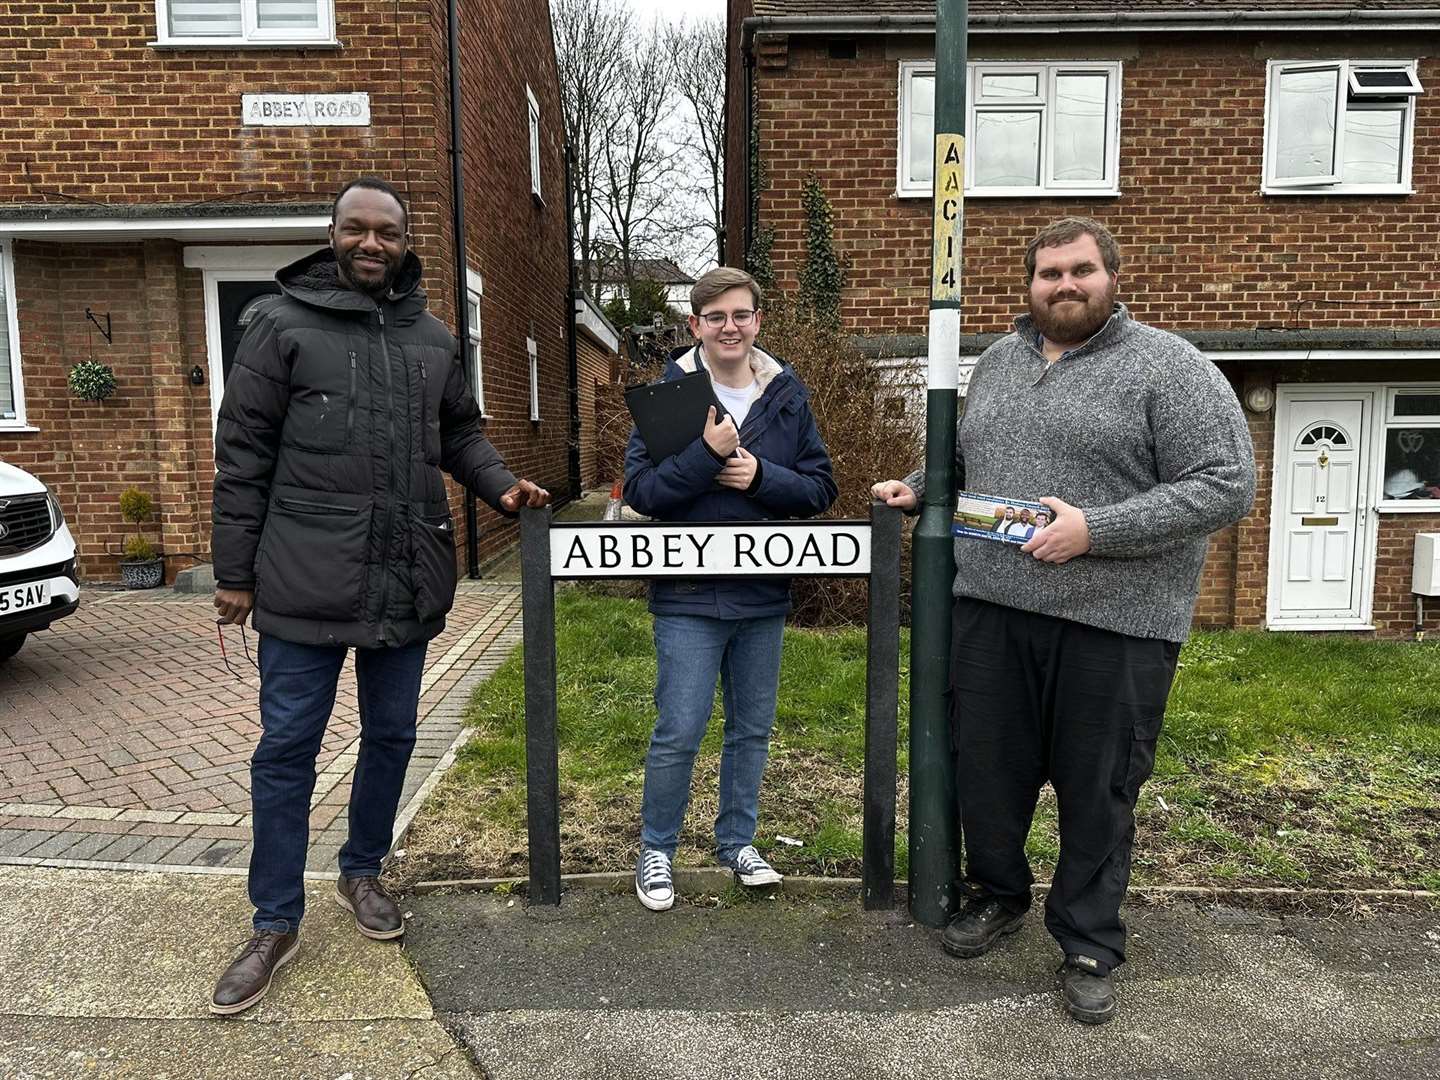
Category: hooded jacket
<point>794,481</point>
<point>338,415</point>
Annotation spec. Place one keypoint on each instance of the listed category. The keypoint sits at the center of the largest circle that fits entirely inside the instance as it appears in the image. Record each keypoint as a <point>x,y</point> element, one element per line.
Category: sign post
<point>649,549</point>
<point>933,810</point>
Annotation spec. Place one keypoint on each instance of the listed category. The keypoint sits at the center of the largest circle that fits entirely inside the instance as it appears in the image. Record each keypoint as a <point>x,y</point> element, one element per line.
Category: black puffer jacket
<point>338,416</point>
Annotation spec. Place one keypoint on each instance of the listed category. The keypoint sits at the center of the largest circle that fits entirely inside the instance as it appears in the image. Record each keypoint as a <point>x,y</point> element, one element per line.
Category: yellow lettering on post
<point>949,221</point>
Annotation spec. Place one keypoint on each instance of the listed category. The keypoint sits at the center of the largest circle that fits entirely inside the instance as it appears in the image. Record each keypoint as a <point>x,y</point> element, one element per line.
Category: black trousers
<point>1037,698</point>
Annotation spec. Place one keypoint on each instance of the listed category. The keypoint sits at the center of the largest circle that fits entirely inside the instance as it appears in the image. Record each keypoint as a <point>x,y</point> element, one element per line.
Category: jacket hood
<point>765,366</point>
<point>315,280</point>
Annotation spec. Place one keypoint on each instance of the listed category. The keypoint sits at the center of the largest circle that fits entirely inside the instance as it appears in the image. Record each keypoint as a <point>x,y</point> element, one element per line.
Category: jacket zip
<point>350,412</point>
<point>390,465</point>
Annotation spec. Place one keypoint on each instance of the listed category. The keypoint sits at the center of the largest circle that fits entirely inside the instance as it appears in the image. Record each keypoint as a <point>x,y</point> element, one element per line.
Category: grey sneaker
<point>654,882</point>
<point>750,868</point>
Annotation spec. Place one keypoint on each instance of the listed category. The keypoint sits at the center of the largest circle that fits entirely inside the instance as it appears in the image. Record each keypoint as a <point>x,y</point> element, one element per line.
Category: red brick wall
<point>595,365</point>
<point>1203,249</point>
<point>736,136</point>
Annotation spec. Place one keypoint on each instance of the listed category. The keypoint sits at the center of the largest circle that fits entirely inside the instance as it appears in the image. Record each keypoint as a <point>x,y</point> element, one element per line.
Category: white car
<point>37,560</point>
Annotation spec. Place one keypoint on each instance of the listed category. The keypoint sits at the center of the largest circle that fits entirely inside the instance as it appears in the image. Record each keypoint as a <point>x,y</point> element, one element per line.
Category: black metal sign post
<point>645,549</point>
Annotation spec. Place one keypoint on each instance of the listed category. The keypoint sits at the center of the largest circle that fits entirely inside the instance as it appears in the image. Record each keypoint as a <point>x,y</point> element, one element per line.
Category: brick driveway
<point>124,740</point>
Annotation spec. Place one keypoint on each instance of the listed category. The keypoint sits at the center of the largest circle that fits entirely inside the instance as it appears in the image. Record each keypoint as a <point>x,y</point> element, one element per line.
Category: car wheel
<point>9,646</point>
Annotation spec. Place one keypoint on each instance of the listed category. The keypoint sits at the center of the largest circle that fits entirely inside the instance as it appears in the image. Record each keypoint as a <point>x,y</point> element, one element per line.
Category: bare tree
<point>699,52</point>
<point>592,38</point>
<point>640,165</point>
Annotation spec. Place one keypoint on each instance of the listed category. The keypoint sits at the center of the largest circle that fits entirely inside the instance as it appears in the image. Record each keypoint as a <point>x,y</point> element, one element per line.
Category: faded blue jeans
<point>691,653</point>
<point>297,693</point>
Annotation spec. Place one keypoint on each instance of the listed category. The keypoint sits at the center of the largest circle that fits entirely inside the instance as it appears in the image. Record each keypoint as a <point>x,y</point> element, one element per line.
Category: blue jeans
<point>691,652</point>
<point>297,694</point>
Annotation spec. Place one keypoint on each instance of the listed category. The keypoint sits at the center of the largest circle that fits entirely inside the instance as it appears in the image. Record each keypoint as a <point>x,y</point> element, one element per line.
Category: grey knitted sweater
<point>1137,429</point>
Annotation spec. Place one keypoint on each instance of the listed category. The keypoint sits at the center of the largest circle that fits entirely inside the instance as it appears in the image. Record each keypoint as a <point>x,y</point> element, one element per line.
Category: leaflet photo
<point>991,517</point>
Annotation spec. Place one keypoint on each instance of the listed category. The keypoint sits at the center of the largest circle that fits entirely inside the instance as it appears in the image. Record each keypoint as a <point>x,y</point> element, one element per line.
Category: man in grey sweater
<point>1064,649</point>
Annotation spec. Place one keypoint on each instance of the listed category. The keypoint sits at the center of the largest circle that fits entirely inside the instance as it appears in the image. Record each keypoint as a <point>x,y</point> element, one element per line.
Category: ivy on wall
<point>821,275</point>
<point>762,238</point>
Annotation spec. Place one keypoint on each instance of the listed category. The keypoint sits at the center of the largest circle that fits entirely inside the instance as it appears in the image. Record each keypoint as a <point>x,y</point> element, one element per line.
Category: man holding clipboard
<point>753,455</point>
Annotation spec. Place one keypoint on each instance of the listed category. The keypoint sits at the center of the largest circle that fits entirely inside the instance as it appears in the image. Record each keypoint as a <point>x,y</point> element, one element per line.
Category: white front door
<point>1319,532</point>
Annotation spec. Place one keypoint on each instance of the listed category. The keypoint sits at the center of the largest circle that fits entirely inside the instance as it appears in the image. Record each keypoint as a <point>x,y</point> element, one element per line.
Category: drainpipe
<point>457,243</point>
<point>748,226</point>
<point>572,359</point>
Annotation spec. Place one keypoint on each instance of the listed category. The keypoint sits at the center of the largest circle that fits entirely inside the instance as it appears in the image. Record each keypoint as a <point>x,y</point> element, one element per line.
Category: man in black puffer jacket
<point>331,522</point>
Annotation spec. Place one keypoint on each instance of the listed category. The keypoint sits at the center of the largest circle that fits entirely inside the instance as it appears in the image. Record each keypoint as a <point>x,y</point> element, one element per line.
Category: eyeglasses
<point>716,319</point>
<point>244,644</point>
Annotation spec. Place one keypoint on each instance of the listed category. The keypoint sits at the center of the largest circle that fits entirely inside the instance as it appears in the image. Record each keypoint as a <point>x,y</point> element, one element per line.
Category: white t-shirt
<point>735,399</point>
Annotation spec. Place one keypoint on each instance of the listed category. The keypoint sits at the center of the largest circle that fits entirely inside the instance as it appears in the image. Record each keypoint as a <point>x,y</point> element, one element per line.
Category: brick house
<point>163,159</point>
<point>1271,172</point>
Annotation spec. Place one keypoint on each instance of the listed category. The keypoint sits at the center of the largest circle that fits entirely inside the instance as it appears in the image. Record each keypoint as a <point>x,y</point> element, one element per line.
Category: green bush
<point>138,549</point>
<point>136,506</point>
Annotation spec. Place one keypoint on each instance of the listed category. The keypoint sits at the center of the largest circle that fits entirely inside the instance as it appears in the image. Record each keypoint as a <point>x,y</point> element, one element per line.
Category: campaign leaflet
<point>988,517</point>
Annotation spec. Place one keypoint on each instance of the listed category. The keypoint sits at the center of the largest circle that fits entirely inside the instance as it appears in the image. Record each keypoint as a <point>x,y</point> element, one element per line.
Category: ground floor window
<point>12,398</point>
<point>1412,446</point>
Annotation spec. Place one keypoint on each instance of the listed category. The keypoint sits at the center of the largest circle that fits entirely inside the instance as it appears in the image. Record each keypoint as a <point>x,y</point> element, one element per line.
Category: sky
<point>675,10</point>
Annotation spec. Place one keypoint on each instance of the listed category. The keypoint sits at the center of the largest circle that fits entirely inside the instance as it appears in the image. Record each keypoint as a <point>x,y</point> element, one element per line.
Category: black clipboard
<point>670,415</point>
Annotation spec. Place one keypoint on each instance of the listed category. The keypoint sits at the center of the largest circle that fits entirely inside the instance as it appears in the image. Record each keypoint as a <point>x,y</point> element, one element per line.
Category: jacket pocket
<point>313,556</point>
<point>432,564</point>
<point>432,388</point>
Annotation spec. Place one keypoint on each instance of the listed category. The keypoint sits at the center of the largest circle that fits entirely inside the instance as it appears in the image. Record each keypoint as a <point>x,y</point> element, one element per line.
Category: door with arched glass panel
<point>1320,529</point>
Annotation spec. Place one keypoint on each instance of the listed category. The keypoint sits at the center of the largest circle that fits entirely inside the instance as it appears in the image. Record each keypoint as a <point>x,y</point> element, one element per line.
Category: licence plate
<point>15,598</point>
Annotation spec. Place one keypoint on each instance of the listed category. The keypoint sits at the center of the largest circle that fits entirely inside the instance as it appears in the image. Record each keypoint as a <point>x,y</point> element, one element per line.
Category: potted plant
<point>91,381</point>
<point>142,567</point>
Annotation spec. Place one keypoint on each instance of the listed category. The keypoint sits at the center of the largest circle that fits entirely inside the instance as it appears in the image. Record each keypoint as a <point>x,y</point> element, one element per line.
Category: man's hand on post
<point>1064,538</point>
<point>894,493</point>
<point>722,438</point>
<point>524,493</point>
<point>739,471</point>
<point>233,605</point>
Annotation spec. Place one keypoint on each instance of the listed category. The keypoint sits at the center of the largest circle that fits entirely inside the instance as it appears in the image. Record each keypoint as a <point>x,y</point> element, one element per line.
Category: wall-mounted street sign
<point>665,549</point>
<point>641,549</point>
<point>305,110</point>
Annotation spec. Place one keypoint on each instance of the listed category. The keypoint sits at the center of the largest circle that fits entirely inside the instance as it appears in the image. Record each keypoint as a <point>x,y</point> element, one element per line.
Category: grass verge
<point>1285,760</point>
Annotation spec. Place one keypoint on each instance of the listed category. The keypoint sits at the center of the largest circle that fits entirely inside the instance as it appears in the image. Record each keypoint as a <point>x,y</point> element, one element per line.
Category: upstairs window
<point>474,298</point>
<point>1031,129</point>
<point>534,112</point>
<point>1343,127</point>
<point>242,22</point>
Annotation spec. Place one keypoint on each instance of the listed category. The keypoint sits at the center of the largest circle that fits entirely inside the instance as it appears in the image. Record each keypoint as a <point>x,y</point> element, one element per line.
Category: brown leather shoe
<point>376,915</point>
<point>248,977</point>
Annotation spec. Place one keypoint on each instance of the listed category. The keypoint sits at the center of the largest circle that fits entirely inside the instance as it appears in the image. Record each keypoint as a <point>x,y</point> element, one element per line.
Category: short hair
<point>1066,231</point>
<point>374,183</point>
<point>721,280</point>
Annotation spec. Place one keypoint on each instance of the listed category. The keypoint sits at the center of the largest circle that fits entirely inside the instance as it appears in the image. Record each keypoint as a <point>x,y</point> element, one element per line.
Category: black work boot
<point>980,924</point>
<point>376,915</point>
<point>1089,989</point>
<point>248,977</point>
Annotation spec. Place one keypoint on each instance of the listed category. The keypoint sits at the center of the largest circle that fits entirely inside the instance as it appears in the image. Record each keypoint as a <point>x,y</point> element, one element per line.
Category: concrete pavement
<point>813,988</point>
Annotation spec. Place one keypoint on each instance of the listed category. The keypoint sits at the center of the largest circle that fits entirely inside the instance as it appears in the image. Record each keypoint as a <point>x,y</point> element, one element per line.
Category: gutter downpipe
<point>457,243</point>
<point>572,359</point>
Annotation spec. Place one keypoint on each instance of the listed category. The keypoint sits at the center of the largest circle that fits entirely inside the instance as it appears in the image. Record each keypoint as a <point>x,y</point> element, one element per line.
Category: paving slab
<point>813,987</point>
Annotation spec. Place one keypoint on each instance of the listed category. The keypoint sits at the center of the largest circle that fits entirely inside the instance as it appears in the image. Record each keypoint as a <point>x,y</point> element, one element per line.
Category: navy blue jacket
<point>795,481</point>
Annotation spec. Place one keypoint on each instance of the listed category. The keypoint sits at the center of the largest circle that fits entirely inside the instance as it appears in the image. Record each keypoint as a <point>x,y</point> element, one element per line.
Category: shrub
<point>91,381</point>
<point>138,549</point>
<point>861,409</point>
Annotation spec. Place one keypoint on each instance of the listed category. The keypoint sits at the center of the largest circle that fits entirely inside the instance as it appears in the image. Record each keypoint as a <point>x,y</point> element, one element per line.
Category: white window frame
<point>1046,72</point>
<point>534,119</point>
<point>533,351</point>
<point>1385,421</point>
<point>251,34</point>
<point>1345,70</point>
<point>475,295</point>
<point>12,333</point>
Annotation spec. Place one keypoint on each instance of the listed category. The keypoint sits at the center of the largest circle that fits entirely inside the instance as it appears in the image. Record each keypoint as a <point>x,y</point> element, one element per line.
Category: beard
<point>1070,325</point>
<point>365,282</point>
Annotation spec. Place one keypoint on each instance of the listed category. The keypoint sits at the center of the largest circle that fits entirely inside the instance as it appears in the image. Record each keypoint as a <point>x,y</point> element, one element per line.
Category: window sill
<point>13,429</point>
<point>212,44</point>
<point>1338,189</point>
<point>1275,625</point>
<point>1024,193</point>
